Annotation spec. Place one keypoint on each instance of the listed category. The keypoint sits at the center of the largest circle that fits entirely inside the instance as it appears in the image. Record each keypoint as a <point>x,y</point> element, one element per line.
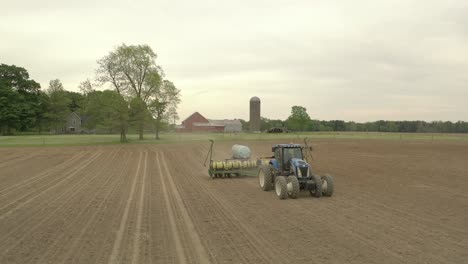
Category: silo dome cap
<point>255,99</point>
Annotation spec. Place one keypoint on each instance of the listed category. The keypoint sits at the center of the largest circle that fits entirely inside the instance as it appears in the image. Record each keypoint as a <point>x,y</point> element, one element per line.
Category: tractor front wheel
<point>281,187</point>
<point>327,185</point>
<point>265,178</point>
<point>316,189</point>
<point>293,187</point>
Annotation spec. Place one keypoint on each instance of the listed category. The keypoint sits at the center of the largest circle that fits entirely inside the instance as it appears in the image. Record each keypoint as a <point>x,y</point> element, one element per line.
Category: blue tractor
<point>288,172</point>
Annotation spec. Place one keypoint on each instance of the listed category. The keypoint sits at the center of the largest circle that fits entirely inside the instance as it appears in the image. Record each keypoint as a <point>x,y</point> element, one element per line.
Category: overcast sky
<point>350,60</point>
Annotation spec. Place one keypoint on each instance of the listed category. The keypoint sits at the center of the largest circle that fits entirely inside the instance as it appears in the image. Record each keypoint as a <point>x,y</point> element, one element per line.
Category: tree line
<point>140,98</point>
<point>299,120</point>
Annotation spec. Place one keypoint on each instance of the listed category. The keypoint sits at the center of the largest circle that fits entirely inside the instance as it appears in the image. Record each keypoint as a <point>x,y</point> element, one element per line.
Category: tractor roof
<point>286,146</point>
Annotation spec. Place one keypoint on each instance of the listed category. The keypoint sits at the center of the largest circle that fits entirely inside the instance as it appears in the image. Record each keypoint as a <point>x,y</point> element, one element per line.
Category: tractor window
<point>290,153</point>
<point>277,153</point>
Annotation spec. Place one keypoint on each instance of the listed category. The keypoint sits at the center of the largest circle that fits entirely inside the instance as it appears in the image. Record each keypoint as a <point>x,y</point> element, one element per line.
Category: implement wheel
<point>293,187</point>
<point>281,187</point>
<point>316,190</point>
<point>327,185</point>
<point>265,178</point>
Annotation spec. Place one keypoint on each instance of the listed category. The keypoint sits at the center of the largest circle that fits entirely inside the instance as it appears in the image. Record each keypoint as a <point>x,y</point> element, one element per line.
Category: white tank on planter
<point>240,152</point>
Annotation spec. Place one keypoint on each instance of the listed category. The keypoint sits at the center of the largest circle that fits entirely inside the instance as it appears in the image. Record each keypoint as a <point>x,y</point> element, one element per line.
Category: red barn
<point>198,123</point>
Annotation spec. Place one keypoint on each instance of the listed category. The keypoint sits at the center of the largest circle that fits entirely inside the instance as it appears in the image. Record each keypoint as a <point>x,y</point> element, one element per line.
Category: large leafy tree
<point>86,87</point>
<point>104,110</point>
<point>59,105</point>
<point>76,101</point>
<point>139,115</point>
<point>298,119</point>
<point>266,123</point>
<point>163,104</point>
<point>42,121</point>
<point>55,85</point>
<point>128,68</point>
<point>19,95</point>
<point>9,110</point>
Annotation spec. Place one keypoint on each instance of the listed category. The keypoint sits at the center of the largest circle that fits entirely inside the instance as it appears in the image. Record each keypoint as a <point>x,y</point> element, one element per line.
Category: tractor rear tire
<point>265,178</point>
<point>281,187</point>
<point>316,191</point>
<point>327,185</point>
<point>293,187</point>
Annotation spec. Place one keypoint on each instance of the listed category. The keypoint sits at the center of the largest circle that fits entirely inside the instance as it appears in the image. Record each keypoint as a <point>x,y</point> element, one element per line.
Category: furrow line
<point>242,229</point>
<point>114,256</point>
<point>113,187</point>
<point>196,241</point>
<point>81,217</point>
<point>392,211</point>
<point>138,231</point>
<point>224,224</point>
<point>160,228</point>
<point>41,175</point>
<point>182,258</point>
<point>20,204</point>
<point>64,197</point>
<point>16,160</point>
<point>99,237</point>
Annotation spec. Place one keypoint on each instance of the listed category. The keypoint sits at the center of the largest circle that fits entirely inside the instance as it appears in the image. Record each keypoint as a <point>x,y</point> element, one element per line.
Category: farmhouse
<point>73,123</point>
<point>198,123</point>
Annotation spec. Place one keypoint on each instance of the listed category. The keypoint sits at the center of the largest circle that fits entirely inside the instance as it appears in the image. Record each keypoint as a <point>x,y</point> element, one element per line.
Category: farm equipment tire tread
<point>295,186</point>
<point>268,178</point>
<point>330,185</point>
<point>283,185</point>
<point>317,191</point>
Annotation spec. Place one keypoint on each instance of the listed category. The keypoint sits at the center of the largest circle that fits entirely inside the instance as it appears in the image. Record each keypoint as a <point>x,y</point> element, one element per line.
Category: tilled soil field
<point>394,202</point>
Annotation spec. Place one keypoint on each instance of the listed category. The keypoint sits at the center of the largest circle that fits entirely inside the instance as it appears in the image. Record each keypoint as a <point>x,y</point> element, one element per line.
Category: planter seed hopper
<point>239,165</point>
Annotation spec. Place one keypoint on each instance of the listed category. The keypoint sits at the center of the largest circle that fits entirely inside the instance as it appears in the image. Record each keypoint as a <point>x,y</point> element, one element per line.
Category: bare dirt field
<point>394,202</point>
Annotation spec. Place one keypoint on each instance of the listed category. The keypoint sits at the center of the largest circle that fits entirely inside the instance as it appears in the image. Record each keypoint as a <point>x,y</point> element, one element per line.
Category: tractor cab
<point>285,153</point>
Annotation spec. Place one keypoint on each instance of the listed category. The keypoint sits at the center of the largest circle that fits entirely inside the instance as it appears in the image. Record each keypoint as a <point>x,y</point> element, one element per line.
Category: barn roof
<point>212,122</point>
<point>190,116</point>
<point>74,114</point>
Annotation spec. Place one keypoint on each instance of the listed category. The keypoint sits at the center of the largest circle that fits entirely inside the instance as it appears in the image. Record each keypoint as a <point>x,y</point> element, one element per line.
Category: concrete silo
<point>254,114</point>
